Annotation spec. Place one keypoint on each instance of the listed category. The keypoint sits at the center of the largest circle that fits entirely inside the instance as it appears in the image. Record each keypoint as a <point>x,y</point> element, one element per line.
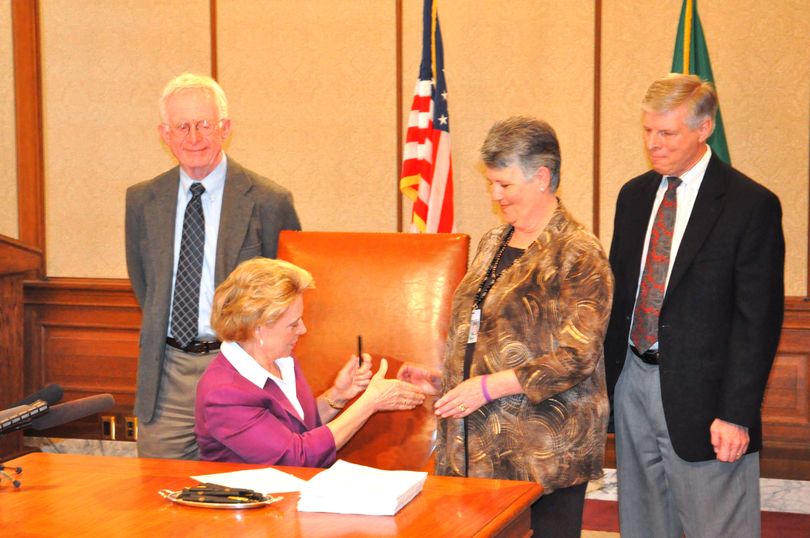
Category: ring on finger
<point>462,408</point>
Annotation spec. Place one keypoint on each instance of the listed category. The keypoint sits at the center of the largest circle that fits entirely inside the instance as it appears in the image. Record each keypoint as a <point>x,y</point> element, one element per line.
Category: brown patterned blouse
<point>545,318</point>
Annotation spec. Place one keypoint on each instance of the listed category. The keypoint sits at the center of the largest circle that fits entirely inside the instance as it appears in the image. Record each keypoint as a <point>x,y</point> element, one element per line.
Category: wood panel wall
<point>786,409</point>
<point>11,376</point>
<point>16,259</point>
<point>83,334</point>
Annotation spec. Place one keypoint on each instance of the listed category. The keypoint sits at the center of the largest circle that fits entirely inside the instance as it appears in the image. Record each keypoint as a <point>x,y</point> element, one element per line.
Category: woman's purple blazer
<point>239,422</point>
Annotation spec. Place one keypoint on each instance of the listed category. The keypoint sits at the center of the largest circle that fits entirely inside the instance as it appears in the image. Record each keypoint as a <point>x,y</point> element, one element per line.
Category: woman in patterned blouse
<point>523,386</point>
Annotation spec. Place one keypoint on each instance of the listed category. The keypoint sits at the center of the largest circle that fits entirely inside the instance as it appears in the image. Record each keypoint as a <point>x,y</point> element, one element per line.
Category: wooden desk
<point>72,495</point>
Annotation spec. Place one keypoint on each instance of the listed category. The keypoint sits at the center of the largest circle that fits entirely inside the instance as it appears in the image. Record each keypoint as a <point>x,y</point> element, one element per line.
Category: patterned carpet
<point>601,520</point>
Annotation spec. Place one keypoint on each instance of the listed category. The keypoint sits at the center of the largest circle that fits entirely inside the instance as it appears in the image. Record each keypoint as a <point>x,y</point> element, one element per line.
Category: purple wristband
<point>484,390</point>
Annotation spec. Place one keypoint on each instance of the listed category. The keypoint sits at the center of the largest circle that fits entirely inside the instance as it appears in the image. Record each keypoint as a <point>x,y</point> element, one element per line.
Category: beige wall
<point>8,157</point>
<point>313,95</point>
<point>312,87</point>
<point>103,67</point>
<point>761,66</point>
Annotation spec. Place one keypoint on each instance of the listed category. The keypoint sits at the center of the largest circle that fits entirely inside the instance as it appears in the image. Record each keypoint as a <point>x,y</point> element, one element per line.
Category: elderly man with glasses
<point>186,230</point>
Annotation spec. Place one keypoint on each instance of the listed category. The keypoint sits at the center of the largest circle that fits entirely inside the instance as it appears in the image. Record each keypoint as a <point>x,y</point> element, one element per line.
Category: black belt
<point>650,356</point>
<point>195,346</point>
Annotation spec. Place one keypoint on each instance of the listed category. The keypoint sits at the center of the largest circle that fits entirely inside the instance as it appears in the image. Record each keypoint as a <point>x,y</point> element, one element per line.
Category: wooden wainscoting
<point>786,409</point>
<point>83,334</point>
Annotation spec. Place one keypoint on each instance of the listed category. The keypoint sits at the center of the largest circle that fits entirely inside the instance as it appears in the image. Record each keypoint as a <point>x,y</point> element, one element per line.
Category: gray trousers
<point>170,434</point>
<point>662,495</point>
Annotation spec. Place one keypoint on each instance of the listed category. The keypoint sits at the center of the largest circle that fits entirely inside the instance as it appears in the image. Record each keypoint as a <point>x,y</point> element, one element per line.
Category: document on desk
<point>347,488</point>
<point>265,481</point>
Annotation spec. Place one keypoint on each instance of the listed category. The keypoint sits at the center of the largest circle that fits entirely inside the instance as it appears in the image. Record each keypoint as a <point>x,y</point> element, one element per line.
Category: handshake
<point>413,382</point>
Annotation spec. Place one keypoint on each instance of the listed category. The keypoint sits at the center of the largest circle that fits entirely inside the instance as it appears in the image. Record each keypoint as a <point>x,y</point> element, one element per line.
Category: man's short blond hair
<point>676,89</point>
<point>190,81</point>
<point>256,293</point>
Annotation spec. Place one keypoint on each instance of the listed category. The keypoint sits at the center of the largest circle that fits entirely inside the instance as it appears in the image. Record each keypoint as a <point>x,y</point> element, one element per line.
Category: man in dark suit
<point>186,230</point>
<point>698,257</point>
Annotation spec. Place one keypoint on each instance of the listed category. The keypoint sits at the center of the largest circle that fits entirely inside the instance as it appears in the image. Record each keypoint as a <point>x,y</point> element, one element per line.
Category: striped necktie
<point>186,303</point>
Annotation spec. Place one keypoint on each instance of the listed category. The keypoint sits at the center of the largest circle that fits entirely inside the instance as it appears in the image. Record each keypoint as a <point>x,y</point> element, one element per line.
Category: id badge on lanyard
<point>475,325</point>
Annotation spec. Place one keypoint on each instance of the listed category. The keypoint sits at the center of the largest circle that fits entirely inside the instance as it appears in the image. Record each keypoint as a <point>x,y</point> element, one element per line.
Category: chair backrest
<point>395,290</point>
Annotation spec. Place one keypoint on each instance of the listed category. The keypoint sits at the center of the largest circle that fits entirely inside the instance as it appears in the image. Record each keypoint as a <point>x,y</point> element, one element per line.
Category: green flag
<point>692,57</point>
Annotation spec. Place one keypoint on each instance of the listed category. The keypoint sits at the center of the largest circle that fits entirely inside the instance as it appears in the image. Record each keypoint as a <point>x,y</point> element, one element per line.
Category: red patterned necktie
<point>653,282</point>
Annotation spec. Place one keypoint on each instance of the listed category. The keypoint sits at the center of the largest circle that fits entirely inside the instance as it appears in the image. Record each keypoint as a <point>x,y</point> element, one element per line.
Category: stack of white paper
<point>347,488</point>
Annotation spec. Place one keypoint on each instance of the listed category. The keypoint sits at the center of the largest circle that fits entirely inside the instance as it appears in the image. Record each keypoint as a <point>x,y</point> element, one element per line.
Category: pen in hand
<point>359,350</point>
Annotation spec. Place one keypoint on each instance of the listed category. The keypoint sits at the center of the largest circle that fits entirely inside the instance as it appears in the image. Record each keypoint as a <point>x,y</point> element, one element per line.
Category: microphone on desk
<point>50,393</point>
<point>23,412</point>
<point>73,410</point>
<point>21,416</point>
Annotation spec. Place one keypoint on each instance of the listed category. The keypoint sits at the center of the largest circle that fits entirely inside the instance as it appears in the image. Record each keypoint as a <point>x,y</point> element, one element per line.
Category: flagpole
<point>691,56</point>
<point>687,36</point>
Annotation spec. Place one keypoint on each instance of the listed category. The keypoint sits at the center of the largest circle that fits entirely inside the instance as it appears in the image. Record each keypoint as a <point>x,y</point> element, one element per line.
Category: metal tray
<point>173,496</point>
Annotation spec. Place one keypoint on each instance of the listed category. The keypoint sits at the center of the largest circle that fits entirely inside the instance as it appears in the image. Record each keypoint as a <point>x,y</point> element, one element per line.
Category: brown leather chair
<point>395,290</point>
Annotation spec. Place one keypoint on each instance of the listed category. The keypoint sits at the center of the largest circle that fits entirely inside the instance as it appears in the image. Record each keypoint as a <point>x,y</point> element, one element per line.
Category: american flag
<point>427,170</point>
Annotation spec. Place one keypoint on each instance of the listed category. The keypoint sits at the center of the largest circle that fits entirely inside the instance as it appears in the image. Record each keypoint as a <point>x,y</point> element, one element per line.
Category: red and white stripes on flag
<point>427,169</point>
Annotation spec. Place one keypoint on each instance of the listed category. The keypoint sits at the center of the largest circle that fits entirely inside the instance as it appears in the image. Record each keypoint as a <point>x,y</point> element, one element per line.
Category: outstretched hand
<point>427,379</point>
<point>392,394</point>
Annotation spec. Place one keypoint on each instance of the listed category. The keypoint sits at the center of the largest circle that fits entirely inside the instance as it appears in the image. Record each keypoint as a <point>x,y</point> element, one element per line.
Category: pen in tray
<point>219,500</point>
<point>215,488</point>
<point>211,490</point>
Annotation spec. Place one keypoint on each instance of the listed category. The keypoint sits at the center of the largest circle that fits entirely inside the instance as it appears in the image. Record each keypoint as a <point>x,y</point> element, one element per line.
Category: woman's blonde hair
<point>257,292</point>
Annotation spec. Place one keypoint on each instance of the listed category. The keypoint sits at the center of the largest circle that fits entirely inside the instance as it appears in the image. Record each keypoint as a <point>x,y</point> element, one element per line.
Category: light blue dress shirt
<point>214,184</point>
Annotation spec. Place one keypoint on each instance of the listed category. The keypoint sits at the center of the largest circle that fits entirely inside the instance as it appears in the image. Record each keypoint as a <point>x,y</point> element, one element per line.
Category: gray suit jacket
<point>254,211</point>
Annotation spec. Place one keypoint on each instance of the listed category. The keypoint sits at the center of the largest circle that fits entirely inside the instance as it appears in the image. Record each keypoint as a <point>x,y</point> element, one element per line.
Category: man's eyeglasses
<point>203,128</point>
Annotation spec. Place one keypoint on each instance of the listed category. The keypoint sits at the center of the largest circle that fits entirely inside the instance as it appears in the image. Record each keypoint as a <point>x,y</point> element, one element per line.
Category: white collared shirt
<point>686,194</point>
<point>256,374</point>
<point>214,184</point>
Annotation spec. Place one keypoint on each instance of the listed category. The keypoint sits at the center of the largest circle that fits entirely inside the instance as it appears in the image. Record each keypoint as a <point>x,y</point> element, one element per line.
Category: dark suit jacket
<point>722,312</point>
<point>254,211</point>
<point>237,421</point>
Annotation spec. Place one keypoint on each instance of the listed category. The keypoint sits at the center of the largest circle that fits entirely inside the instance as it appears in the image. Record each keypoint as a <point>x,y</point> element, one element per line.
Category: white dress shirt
<point>256,374</point>
<point>686,194</point>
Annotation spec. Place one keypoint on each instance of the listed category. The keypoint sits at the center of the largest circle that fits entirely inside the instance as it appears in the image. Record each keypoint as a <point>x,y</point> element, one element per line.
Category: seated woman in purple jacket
<point>253,403</point>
